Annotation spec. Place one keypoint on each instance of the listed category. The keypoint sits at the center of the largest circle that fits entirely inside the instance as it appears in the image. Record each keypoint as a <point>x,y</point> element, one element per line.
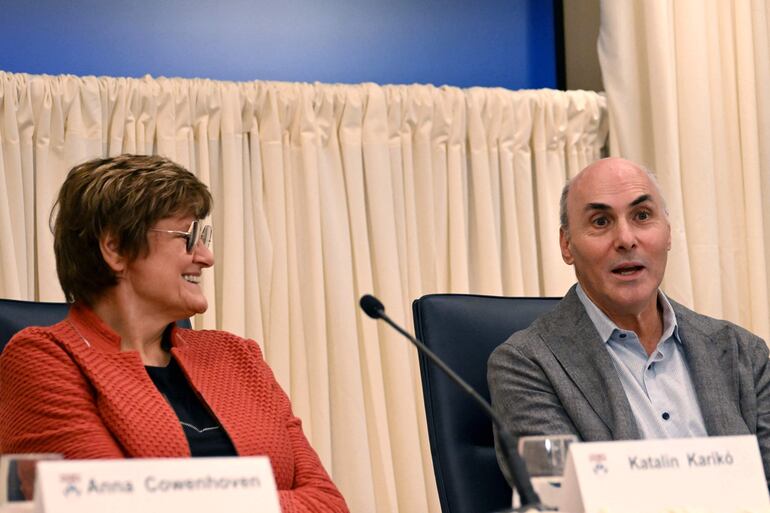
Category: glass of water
<point>17,479</point>
<point>546,456</point>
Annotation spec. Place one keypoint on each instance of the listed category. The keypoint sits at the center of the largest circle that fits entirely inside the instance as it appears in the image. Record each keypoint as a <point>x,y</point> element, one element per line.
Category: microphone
<point>516,466</point>
<point>372,306</point>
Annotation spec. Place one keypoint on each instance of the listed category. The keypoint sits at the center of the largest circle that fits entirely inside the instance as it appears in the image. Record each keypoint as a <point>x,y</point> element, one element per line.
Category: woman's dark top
<point>203,431</point>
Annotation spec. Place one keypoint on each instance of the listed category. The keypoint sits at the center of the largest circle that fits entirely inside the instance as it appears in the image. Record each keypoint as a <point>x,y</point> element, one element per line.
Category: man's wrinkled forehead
<point>605,180</point>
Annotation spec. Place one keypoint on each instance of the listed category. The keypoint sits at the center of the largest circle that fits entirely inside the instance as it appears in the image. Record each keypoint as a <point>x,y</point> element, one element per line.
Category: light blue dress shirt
<point>658,386</point>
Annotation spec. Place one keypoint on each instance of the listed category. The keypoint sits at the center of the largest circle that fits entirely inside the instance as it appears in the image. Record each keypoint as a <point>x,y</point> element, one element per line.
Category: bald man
<point>617,359</point>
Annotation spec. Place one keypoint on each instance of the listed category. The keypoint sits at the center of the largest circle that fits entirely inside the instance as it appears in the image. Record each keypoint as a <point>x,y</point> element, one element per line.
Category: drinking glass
<point>17,480</point>
<point>546,456</point>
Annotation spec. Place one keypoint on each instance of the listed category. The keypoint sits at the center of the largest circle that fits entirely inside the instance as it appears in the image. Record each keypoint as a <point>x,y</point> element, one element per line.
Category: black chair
<point>464,330</point>
<point>17,315</point>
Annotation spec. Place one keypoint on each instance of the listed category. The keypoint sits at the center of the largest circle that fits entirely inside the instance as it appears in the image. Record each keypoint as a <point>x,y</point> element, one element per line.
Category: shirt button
<point>665,415</point>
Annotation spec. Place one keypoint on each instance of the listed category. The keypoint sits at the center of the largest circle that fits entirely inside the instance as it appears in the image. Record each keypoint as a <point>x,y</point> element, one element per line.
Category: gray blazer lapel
<point>574,341</point>
<point>713,370</point>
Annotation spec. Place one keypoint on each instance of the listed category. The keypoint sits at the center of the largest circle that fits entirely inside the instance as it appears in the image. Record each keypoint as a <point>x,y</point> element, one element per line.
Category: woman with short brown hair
<point>117,378</point>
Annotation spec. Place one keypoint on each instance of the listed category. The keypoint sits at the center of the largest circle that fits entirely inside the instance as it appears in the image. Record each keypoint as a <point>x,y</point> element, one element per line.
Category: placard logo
<point>598,461</point>
<point>71,482</point>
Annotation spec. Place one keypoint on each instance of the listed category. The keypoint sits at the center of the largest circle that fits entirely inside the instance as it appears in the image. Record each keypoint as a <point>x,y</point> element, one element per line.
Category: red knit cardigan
<point>69,389</point>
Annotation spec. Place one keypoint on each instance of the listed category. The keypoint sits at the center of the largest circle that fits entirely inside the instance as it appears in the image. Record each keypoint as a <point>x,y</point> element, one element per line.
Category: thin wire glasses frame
<point>197,232</point>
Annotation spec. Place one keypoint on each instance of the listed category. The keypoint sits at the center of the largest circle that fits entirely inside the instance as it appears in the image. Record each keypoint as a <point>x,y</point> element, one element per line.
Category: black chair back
<point>17,315</point>
<point>463,330</point>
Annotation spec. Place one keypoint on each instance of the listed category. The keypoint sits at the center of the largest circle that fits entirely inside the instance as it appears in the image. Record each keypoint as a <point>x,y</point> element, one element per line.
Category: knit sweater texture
<point>69,389</point>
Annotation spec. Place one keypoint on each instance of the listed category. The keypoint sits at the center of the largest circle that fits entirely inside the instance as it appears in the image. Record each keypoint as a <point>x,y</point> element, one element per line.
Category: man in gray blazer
<point>617,359</point>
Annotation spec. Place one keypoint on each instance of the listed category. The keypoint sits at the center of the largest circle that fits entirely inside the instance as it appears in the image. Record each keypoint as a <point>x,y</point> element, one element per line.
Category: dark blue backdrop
<point>508,43</point>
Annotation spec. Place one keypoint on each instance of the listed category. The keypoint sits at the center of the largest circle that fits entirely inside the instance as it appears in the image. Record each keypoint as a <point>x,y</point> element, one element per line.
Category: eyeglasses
<point>197,232</point>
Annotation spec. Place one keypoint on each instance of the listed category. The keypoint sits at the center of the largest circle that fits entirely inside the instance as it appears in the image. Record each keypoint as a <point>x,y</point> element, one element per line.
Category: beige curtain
<point>688,87</point>
<point>322,193</point>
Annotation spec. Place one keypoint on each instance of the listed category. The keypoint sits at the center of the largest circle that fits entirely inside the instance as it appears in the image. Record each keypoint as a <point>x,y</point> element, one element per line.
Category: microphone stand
<point>517,469</point>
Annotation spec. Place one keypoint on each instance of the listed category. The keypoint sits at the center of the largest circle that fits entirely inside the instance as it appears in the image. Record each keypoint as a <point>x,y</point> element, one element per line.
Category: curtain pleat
<point>322,193</point>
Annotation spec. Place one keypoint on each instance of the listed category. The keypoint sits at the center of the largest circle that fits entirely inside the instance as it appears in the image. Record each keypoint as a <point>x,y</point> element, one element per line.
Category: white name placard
<point>715,474</point>
<point>235,485</point>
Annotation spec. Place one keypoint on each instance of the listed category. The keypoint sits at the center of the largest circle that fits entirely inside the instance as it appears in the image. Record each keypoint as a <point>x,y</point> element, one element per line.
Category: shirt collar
<point>606,327</point>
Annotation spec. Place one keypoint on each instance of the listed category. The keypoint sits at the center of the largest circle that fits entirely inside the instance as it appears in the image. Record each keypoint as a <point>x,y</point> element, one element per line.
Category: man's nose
<point>625,235</point>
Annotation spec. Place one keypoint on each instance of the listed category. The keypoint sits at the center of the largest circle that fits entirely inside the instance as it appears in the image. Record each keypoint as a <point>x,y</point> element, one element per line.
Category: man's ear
<point>566,253</point>
<point>108,245</point>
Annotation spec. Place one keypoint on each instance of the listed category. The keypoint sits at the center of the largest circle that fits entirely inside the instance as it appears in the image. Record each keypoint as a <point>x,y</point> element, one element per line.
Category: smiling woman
<point>117,378</point>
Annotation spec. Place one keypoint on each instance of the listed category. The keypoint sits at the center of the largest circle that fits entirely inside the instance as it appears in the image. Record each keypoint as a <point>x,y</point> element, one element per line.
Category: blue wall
<point>508,43</point>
